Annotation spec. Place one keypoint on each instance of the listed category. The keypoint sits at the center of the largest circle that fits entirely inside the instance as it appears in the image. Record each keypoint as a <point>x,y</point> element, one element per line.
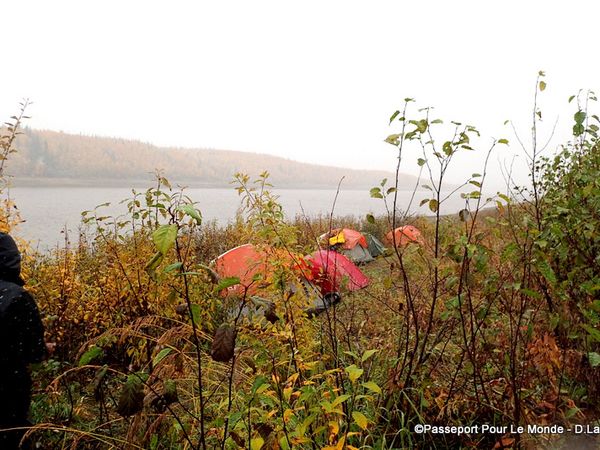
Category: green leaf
<point>433,205</point>
<point>422,125</point>
<point>164,237</point>
<point>354,372</point>
<point>571,98</point>
<point>547,271</point>
<point>393,139</point>
<point>376,193</point>
<point>153,264</point>
<point>360,419</point>
<point>542,85</point>
<point>579,117</point>
<point>225,283</point>
<point>161,355</point>
<point>531,293</point>
<point>503,141</point>
<point>194,213</point>
<point>367,354</point>
<point>594,333</point>
<point>390,191</point>
<point>571,412</point>
<point>394,116</point>
<point>425,200</point>
<point>421,162</point>
<point>354,355</point>
<point>261,380</point>
<point>372,386</point>
<point>196,313</point>
<point>164,181</point>
<point>463,214</point>
<point>504,197</point>
<point>370,218</point>
<point>93,353</point>
<point>594,359</point>
<point>339,400</point>
<point>171,267</point>
<point>447,147</point>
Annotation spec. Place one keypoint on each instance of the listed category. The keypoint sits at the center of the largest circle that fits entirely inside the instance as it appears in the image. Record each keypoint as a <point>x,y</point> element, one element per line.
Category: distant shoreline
<point>18,182</point>
<point>63,159</point>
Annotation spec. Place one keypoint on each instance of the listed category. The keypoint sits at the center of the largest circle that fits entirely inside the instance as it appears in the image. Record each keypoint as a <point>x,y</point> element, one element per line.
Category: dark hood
<point>10,260</point>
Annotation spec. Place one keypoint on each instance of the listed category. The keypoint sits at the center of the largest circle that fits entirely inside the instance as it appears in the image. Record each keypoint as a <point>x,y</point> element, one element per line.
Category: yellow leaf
<point>339,400</point>
<point>338,446</point>
<point>334,428</point>
<point>354,372</point>
<point>287,414</point>
<point>257,443</point>
<point>292,379</point>
<point>360,419</point>
<point>372,386</point>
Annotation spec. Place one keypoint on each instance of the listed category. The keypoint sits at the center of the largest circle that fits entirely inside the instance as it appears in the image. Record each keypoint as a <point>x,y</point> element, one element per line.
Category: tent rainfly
<point>325,272</point>
<point>404,235</point>
<point>348,242</point>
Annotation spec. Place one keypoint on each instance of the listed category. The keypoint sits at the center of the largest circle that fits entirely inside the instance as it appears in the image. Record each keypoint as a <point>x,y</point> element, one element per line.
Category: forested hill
<point>55,155</point>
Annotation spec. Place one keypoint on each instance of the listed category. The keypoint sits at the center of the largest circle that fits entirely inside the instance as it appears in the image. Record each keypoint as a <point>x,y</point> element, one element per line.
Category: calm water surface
<point>48,211</point>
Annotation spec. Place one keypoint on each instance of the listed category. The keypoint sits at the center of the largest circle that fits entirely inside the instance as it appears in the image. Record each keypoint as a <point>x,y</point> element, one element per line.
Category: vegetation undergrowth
<point>492,319</point>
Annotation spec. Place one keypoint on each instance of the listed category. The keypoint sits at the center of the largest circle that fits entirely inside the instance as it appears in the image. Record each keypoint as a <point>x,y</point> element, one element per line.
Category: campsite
<point>327,332</point>
<point>299,225</point>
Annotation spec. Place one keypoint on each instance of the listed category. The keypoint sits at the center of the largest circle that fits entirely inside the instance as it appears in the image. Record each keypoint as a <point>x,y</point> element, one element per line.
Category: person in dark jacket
<point>21,344</point>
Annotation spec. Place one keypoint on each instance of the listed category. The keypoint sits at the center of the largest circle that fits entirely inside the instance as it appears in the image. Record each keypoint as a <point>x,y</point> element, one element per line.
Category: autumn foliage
<point>466,326</point>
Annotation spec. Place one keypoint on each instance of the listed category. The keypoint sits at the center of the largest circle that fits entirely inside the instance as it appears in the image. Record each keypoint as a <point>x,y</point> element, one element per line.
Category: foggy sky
<point>312,81</point>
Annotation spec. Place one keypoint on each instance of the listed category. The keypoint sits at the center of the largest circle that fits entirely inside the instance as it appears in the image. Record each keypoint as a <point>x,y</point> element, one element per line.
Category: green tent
<point>357,254</point>
<point>375,246</point>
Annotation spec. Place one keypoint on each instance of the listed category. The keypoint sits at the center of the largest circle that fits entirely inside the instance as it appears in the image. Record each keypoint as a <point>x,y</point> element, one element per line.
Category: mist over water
<point>48,211</point>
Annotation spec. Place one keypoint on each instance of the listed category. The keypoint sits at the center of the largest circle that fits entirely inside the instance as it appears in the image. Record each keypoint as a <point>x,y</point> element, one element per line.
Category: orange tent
<point>345,236</point>
<point>404,236</point>
<point>254,266</point>
<point>244,262</point>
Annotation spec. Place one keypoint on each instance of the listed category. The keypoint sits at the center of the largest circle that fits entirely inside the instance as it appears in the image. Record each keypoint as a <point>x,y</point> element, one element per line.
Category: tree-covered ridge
<point>51,154</point>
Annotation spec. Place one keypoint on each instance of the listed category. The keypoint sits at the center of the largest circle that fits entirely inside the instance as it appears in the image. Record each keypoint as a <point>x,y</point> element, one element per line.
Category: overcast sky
<point>314,81</point>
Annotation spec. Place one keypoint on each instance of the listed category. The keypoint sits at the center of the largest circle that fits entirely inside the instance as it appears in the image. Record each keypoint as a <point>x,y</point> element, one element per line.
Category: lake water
<point>49,210</point>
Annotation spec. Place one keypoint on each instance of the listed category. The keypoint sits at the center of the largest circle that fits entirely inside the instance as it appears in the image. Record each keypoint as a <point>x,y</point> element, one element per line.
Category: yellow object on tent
<point>337,239</point>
